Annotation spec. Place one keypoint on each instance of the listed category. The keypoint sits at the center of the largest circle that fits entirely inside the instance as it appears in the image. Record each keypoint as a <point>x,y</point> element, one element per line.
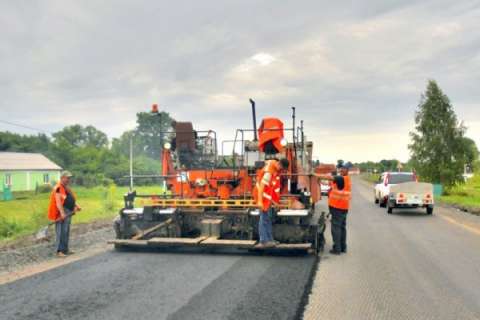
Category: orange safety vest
<point>271,191</point>
<point>53,212</point>
<point>340,199</point>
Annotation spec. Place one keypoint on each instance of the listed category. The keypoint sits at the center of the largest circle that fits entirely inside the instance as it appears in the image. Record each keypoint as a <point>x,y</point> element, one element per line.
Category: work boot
<point>270,244</point>
<point>60,254</point>
<point>334,252</point>
<point>260,245</point>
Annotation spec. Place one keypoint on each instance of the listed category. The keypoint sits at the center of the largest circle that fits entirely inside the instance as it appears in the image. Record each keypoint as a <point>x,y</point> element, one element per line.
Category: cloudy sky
<point>354,70</point>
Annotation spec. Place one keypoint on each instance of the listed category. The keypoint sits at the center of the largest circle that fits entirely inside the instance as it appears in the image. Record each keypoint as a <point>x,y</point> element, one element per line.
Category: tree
<point>80,136</point>
<point>472,154</point>
<point>438,150</point>
<point>24,143</point>
<point>149,131</point>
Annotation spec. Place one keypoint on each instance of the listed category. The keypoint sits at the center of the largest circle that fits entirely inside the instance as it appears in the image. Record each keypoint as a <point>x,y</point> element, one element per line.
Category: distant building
<point>24,171</point>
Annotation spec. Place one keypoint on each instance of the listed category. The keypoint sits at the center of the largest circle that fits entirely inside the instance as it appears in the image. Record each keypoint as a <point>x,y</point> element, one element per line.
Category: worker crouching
<point>268,195</point>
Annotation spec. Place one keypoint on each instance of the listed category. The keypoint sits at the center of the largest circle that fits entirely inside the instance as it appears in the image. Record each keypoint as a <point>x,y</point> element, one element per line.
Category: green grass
<point>28,211</point>
<point>370,177</point>
<point>466,195</point>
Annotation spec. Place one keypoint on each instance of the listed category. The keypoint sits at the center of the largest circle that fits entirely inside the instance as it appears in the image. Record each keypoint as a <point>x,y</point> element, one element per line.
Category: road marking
<point>47,265</point>
<point>464,226</point>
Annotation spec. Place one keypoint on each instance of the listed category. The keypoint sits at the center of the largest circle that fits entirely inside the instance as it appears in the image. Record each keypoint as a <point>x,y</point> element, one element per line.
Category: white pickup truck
<point>401,190</point>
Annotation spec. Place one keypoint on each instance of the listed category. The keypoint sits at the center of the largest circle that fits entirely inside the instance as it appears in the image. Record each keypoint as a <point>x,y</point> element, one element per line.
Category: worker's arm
<point>324,176</point>
<point>77,208</point>
<point>58,202</point>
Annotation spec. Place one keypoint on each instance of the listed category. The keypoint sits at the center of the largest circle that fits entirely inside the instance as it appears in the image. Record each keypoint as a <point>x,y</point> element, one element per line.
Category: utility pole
<point>131,161</point>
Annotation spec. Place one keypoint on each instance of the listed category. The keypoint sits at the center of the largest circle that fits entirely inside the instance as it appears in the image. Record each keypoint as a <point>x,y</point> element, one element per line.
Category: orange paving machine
<point>208,199</point>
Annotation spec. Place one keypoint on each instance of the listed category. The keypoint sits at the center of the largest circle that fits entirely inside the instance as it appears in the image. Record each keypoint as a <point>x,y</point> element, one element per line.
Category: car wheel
<point>429,210</point>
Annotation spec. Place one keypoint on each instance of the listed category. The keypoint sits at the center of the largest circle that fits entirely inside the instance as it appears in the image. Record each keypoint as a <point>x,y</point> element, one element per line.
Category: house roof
<point>26,161</point>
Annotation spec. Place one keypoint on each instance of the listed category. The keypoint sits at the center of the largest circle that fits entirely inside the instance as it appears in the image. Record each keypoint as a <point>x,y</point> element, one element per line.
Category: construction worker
<point>267,195</point>
<point>338,205</point>
<point>61,208</point>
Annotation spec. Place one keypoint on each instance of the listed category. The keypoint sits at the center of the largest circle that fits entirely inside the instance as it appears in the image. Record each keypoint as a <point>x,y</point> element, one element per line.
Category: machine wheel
<point>389,208</point>
<point>429,210</point>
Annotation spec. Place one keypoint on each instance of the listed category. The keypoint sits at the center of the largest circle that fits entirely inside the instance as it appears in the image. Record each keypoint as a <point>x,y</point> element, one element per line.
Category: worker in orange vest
<point>339,204</point>
<point>267,196</point>
<point>61,208</point>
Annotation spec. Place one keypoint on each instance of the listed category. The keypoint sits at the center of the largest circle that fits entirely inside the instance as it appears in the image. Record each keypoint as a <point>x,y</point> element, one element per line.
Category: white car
<point>388,179</point>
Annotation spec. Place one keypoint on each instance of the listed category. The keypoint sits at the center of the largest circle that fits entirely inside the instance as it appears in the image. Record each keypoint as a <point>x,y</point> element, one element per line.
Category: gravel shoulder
<point>21,255</point>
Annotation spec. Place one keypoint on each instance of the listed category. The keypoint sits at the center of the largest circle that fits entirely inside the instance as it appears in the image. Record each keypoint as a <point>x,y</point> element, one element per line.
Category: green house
<point>24,171</point>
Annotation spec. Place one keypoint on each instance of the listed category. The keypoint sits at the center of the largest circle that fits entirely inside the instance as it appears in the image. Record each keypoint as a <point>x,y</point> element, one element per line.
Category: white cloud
<point>349,70</point>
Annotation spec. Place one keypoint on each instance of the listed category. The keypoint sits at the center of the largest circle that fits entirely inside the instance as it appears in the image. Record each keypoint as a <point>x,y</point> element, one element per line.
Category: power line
<point>26,127</point>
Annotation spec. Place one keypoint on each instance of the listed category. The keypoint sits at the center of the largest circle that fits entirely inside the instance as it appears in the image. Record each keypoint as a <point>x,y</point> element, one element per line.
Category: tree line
<point>440,152</point>
<point>94,159</point>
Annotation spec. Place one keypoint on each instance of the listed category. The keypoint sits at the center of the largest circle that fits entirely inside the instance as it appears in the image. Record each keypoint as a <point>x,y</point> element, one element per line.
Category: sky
<point>354,70</point>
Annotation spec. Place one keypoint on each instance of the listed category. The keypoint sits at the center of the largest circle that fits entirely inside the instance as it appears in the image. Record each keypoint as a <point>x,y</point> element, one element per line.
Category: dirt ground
<point>26,251</point>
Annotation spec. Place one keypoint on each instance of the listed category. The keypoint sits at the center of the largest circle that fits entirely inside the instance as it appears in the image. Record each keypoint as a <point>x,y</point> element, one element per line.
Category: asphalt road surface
<point>402,266</point>
<point>152,285</point>
<point>407,265</point>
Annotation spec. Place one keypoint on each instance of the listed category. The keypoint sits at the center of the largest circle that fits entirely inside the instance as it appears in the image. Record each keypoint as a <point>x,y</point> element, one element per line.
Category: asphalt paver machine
<point>208,199</point>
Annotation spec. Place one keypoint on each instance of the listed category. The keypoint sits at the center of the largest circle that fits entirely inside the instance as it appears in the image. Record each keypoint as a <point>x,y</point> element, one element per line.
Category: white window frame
<point>8,179</point>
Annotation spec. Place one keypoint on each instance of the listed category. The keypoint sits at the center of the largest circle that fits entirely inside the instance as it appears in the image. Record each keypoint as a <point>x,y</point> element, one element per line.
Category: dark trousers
<point>339,229</point>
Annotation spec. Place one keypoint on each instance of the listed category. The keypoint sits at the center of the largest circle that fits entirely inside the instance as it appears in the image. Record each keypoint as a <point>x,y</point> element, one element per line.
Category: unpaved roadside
<point>25,257</point>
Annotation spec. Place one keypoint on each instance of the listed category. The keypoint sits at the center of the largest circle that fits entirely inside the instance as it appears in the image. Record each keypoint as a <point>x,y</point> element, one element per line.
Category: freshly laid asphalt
<point>159,285</point>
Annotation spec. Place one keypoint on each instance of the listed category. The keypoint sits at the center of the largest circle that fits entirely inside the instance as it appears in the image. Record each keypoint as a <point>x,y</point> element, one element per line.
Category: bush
<point>43,188</point>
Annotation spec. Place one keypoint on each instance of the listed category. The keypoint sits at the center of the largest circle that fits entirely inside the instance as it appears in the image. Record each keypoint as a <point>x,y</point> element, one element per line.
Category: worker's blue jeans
<point>265,226</point>
<point>62,231</point>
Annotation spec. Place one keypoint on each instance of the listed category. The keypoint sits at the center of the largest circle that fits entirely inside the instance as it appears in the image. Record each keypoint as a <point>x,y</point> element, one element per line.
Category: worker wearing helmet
<point>267,196</point>
<point>339,204</point>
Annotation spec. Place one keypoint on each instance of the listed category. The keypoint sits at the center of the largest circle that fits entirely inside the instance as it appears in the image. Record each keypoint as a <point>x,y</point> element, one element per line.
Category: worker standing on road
<point>62,206</point>
<point>338,204</point>
<point>267,195</point>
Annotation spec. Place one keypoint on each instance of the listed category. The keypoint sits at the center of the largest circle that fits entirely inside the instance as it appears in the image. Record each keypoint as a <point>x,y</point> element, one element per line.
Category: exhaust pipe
<point>254,115</point>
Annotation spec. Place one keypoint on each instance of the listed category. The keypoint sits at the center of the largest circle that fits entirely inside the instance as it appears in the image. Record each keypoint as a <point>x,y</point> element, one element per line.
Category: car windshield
<point>400,178</point>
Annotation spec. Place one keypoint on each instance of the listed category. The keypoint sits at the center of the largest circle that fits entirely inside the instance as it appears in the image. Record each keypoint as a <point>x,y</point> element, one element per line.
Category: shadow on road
<point>411,213</point>
<point>203,251</point>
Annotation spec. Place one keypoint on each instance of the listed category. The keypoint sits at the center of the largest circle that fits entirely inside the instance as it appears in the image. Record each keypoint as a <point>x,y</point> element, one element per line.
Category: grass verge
<point>464,196</point>
<point>370,177</point>
<point>28,211</point>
